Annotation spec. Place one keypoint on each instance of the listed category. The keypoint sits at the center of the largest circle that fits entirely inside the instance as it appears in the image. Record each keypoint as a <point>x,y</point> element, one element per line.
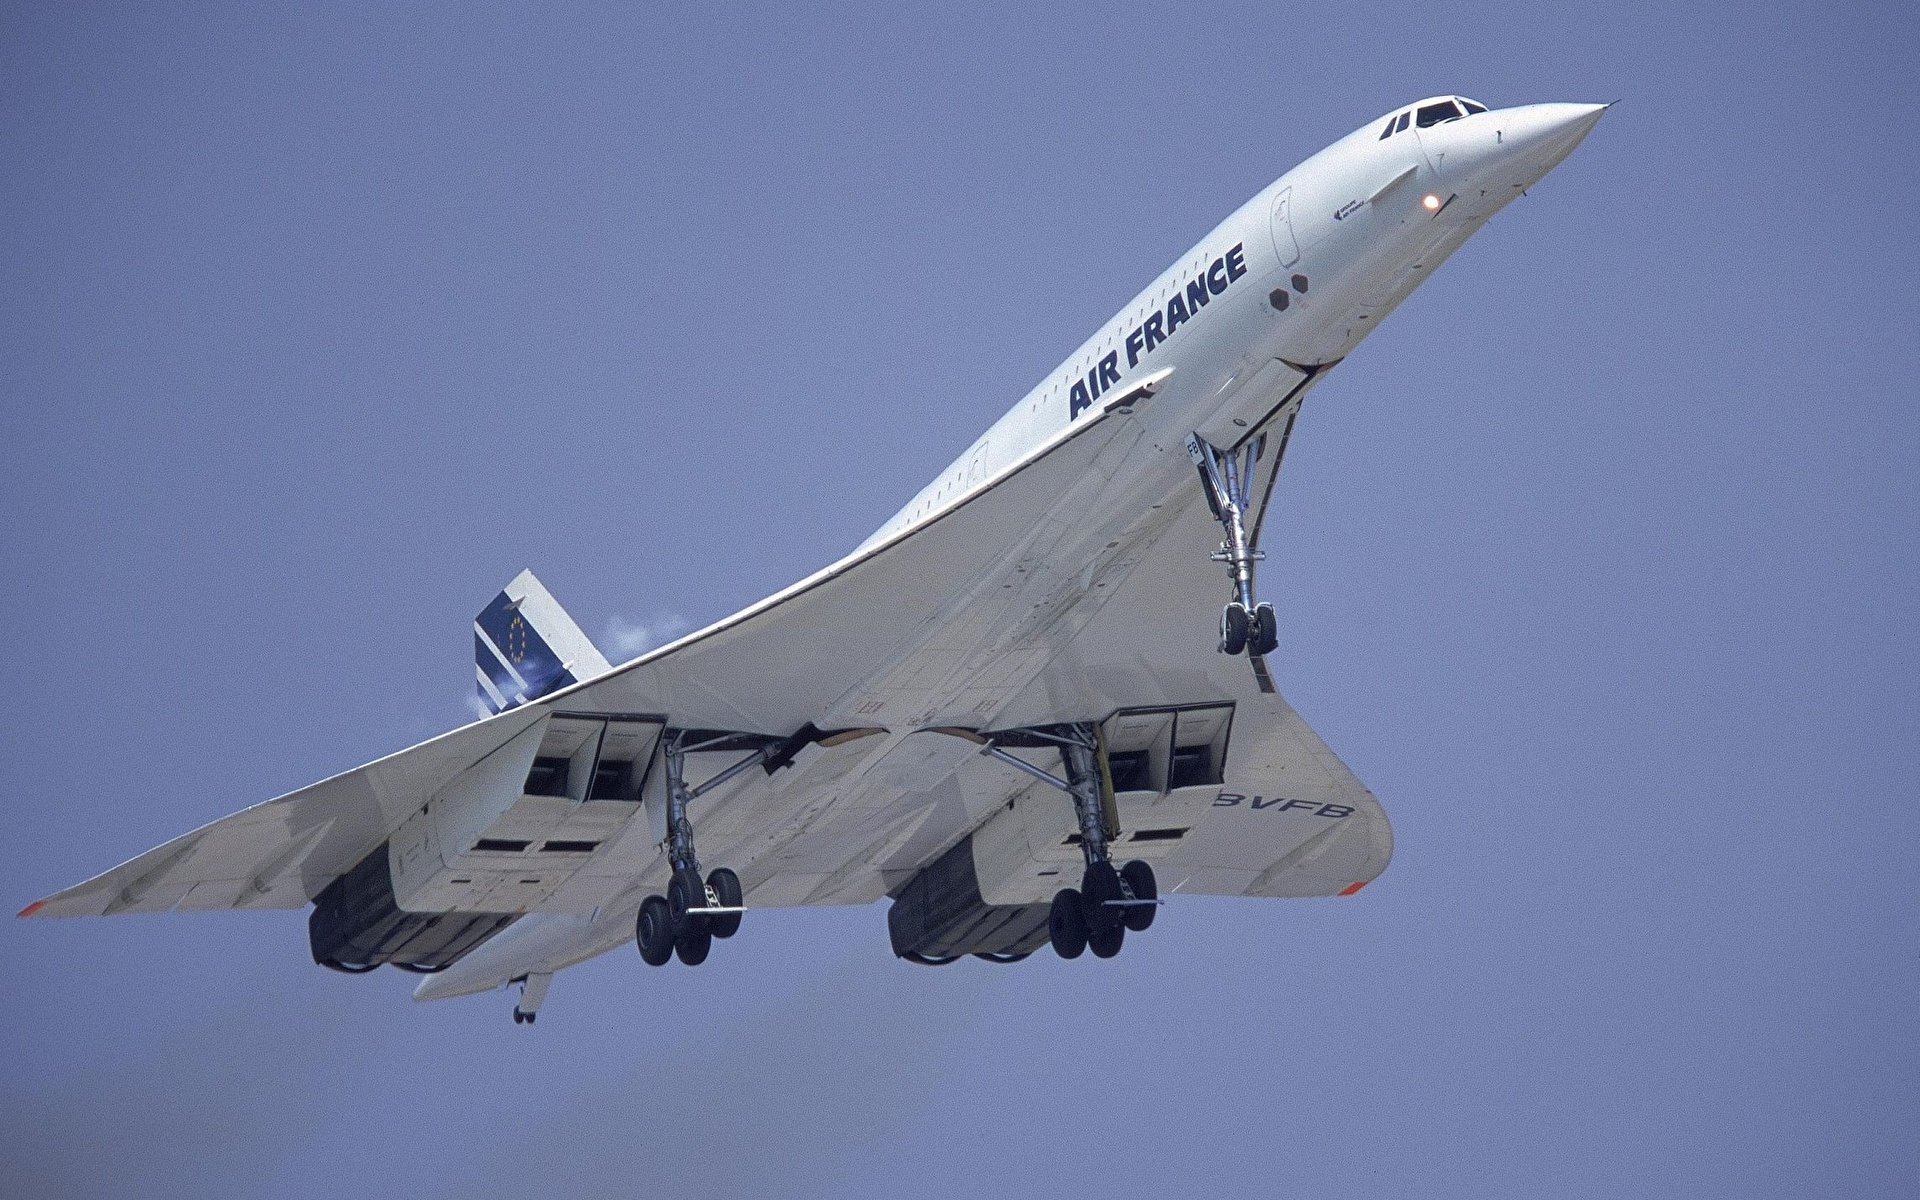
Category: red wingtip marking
<point>1351,888</point>
<point>30,909</point>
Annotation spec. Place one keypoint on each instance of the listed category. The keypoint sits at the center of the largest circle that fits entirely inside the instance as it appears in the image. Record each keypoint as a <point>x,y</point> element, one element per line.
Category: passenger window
<point>1433,114</point>
<point>1403,122</point>
<point>1471,107</point>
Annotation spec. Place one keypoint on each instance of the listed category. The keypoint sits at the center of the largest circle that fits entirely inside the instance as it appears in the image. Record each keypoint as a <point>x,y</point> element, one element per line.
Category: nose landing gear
<point>1227,475</point>
<point>1242,631</point>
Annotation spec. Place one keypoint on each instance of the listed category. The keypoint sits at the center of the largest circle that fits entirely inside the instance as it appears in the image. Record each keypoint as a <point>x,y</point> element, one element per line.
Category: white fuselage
<point>1359,224</point>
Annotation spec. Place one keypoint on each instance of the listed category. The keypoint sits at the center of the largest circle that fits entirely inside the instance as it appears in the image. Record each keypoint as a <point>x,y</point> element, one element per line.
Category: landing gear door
<point>653,792</point>
<point>1284,244</point>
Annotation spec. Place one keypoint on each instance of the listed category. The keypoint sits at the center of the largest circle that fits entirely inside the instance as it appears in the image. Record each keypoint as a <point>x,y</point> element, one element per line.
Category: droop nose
<point>1536,137</point>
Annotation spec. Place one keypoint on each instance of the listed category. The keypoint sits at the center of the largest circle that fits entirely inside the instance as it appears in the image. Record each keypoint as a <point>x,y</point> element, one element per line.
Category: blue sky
<point>1598,565</point>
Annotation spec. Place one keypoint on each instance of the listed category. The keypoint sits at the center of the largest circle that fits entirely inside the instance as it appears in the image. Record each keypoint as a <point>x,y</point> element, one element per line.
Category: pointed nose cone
<point>1538,136</point>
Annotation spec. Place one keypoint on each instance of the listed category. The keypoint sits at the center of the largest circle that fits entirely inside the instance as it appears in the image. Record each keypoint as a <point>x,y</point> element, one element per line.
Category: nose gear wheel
<point>1235,624</point>
<point>1264,636</point>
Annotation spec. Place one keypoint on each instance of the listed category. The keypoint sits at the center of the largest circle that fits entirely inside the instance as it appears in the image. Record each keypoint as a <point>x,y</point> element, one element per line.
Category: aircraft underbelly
<point>1033,639</point>
<point>1020,630</point>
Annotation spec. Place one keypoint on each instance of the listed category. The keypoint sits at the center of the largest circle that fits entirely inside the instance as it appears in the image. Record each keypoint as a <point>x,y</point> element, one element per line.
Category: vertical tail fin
<point>525,646</point>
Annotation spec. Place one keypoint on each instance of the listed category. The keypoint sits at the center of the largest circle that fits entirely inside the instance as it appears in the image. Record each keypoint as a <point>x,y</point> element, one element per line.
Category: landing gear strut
<point>684,922</point>
<point>1108,902</point>
<point>1227,475</point>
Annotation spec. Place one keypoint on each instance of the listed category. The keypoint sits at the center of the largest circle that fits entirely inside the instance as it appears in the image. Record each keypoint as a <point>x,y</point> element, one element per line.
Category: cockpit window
<point>1470,106</point>
<point>1396,124</point>
<point>1433,114</point>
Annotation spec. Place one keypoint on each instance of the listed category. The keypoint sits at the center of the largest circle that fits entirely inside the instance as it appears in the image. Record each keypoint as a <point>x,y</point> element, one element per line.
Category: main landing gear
<point>684,922</point>
<point>1109,901</point>
<point>1227,475</point>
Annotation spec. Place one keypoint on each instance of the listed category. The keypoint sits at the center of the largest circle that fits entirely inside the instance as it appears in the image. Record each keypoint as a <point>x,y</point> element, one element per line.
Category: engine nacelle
<point>356,924</point>
<point>940,914</point>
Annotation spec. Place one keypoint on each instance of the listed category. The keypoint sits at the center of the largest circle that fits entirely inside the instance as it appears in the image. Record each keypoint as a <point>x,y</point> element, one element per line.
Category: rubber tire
<point>1067,924</point>
<point>1234,624</point>
<point>653,931</point>
<point>693,945</point>
<point>1099,884</point>
<point>726,888</point>
<point>1105,943</point>
<point>1264,636</point>
<point>685,891</point>
<point>1139,877</point>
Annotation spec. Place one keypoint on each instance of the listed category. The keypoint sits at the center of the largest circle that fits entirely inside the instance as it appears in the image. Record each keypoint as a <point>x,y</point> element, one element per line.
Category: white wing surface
<point>280,854</point>
<point>1053,592</point>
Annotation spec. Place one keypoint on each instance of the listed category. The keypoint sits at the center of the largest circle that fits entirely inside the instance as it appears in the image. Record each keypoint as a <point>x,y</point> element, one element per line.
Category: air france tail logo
<point>1185,305</point>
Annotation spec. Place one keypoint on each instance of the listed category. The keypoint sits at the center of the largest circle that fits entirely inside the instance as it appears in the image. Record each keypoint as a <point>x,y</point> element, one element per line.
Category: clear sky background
<point>1598,563</point>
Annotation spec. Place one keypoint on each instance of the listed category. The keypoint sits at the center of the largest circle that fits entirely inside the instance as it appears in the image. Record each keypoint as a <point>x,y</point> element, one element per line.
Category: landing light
<point>1430,202</point>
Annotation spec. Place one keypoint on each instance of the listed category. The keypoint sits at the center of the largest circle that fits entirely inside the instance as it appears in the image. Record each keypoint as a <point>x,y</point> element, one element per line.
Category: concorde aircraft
<point>1019,710</point>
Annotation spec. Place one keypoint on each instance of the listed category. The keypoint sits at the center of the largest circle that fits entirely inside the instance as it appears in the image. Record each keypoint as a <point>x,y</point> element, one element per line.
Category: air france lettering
<point>1234,799</point>
<point>1185,305</point>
